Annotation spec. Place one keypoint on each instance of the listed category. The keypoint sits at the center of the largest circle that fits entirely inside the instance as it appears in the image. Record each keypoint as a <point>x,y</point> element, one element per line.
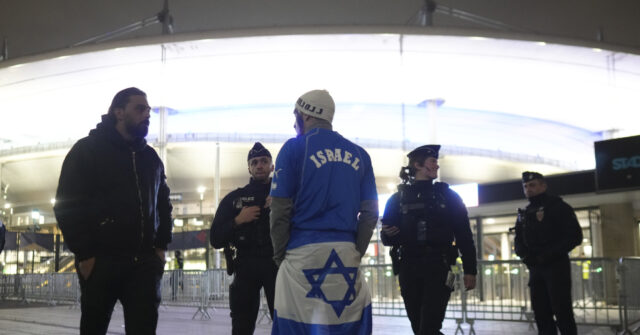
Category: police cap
<point>530,175</point>
<point>258,150</point>
<point>429,150</point>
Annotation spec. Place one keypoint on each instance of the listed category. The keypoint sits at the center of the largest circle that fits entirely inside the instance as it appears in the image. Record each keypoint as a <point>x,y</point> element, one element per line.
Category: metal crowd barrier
<point>629,274</point>
<point>188,289</point>
<point>384,289</point>
<point>501,292</point>
<point>595,292</point>
<point>603,291</point>
<point>51,288</point>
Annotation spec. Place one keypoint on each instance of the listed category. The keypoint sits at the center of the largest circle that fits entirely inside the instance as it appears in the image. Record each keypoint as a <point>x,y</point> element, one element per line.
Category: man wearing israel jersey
<point>323,211</point>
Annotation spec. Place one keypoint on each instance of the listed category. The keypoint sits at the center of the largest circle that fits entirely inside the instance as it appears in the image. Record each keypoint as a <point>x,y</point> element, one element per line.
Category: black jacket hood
<point>107,129</point>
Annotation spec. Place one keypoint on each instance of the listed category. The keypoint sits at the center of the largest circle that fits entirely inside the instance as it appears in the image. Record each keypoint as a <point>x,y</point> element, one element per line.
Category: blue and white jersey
<point>326,176</point>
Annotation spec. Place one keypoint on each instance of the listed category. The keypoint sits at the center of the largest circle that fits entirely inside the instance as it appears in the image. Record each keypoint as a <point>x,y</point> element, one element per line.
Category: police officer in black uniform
<point>427,224</point>
<point>546,231</point>
<point>241,226</point>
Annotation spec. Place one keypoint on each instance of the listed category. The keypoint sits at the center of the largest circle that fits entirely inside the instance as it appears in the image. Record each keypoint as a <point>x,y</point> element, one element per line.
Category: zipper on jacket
<point>135,172</point>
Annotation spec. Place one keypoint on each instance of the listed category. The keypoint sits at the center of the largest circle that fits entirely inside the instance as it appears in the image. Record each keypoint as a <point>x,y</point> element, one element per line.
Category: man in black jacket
<point>421,221</point>
<point>113,208</point>
<point>546,231</point>
<point>241,226</point>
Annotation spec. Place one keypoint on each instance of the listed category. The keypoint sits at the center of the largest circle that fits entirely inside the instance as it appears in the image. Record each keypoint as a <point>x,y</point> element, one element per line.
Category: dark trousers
<point>251,273</point>
<point>550,286</point>
<point>425,294</point>
<point>134,281</point>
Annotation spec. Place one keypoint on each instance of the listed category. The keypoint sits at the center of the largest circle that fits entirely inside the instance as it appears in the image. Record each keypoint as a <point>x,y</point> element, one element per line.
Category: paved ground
<point>41,319</point>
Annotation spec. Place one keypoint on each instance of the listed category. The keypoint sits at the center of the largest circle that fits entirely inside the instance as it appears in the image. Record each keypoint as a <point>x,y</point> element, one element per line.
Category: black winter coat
<point>112,196</point>
<point>548,230</point>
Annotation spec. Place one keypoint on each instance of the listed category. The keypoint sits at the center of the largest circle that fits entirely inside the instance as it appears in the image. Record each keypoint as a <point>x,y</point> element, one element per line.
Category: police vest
<point>255,234</point>
<point>425,214</point>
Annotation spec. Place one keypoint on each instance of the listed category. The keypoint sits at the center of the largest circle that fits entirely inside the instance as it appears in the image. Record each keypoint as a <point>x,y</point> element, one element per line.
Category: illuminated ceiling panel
<point>249,85</point>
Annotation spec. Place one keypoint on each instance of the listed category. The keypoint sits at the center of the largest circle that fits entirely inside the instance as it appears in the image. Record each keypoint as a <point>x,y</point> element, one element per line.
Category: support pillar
<point>57,257</point>
<point>163,112</point>
<point>619,230</point>
<point>216,180</point>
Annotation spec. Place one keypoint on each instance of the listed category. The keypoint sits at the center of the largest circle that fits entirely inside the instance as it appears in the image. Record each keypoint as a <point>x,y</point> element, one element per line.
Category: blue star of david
<point>317,276</point>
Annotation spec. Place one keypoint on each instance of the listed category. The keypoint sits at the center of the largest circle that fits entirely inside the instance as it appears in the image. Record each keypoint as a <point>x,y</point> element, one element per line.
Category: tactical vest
<point>425,217</point>
<point>253,235</point>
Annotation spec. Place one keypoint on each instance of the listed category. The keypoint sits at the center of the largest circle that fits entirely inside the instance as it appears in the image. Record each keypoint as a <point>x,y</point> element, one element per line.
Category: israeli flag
<point>320,290</point>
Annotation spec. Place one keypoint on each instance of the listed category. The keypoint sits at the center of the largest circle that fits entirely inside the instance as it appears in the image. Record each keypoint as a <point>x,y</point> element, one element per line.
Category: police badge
<point>540,214</point>
<point>237,204</point>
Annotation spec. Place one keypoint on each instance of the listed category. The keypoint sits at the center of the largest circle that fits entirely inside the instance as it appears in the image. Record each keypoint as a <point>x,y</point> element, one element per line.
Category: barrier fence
<point>604,292</point>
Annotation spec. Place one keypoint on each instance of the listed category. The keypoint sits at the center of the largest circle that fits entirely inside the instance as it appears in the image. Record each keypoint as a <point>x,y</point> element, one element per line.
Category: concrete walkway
<point>41,319</point>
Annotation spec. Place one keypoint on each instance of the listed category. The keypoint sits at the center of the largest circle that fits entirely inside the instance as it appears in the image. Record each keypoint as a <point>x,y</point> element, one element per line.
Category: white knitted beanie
<point>317,103</point>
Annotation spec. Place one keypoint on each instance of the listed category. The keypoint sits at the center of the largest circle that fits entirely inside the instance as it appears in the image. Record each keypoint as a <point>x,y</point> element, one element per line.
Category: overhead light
<point>541,43</point>
<point>53,201</point>
<point>198,222</point>
<point>178,222</point>
<point>477,38</point>
<point>35,215</point>
<point>597,49</point>
<point>7,205</point>
<point>490,221</point>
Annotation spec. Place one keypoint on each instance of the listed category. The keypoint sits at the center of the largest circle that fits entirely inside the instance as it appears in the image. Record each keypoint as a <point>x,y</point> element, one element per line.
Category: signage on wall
<point>618,163</point>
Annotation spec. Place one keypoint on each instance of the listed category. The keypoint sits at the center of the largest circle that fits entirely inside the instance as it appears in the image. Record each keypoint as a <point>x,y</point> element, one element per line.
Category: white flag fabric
<point>320,290</point>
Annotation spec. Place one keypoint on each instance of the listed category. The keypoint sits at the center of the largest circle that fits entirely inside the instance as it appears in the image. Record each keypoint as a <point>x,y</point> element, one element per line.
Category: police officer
<point>427,223</point>
<point>546,231</point>
<point>241,226</point>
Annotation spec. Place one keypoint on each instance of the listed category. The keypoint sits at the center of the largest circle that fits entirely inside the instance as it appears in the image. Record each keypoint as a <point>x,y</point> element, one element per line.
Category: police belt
<point>417,251</point>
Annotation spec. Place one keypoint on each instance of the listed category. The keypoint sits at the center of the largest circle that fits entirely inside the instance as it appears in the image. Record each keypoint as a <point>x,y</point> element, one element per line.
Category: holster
<point>229,256</point>
<point>395,259</point>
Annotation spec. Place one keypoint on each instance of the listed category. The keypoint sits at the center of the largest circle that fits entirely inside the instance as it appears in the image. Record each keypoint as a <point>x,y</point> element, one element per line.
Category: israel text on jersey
<point>322,157</point>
